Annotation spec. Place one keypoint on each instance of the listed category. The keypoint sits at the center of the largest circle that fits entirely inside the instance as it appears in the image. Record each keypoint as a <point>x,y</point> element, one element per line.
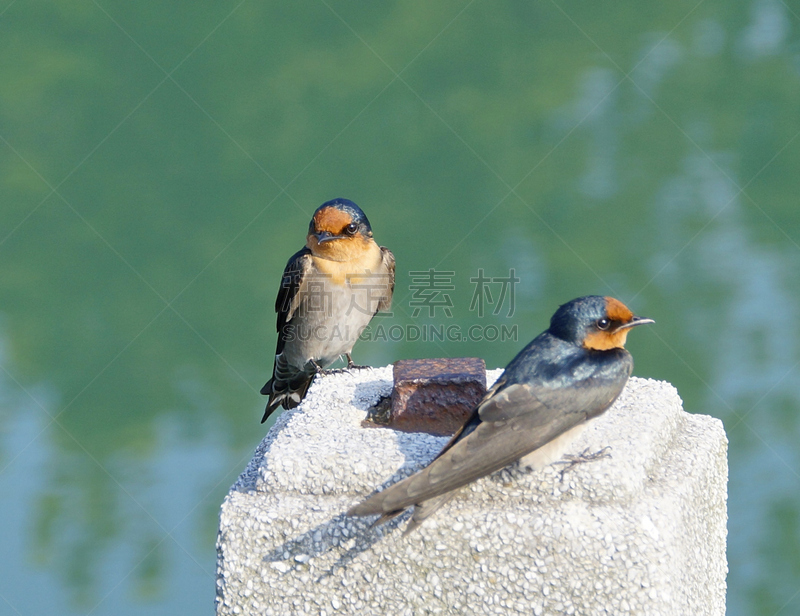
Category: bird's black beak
<point>326,236</point>
<point>634,322</point>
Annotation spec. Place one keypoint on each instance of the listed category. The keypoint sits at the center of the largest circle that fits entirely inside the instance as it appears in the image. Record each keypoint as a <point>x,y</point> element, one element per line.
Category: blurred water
<point>159,163</point>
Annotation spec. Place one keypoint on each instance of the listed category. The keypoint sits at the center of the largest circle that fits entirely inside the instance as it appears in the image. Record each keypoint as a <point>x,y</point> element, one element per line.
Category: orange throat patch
<point>352,248</point>
<point>344,261</point>
<point>604,341</point>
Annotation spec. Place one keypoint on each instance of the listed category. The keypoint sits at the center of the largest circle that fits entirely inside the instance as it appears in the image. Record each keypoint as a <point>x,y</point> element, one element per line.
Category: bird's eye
<point>351,228</point>
<point>603,323</point>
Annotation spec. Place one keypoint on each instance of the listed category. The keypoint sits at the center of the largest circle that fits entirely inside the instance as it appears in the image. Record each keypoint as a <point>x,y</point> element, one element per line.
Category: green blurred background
<point>159,162</point>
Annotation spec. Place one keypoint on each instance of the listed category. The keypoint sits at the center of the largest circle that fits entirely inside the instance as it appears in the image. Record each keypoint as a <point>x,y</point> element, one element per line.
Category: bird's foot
<point>351,365</point>
<point>334,371</point>
<point>322,371</point>
<point>348,370</point>
<point>582,458</point>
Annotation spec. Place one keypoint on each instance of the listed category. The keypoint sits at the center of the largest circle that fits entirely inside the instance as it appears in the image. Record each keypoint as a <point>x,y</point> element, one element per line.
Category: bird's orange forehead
<point>331,219</point>
<point>617,311</point>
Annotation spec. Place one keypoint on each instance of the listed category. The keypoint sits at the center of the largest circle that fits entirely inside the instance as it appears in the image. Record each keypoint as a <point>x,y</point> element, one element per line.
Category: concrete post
<point>641,532</point>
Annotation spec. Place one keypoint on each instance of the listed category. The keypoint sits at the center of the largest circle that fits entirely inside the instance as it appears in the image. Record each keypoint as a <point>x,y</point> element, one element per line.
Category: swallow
<point>329,293</point>
<point>566,376</point>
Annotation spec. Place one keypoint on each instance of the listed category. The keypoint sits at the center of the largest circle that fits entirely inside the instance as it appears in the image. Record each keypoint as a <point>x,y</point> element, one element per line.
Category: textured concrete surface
<point>641,532</point>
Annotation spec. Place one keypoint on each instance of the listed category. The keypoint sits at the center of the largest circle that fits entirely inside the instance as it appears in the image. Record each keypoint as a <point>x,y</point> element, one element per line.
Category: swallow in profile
<point>329,293</point>
<point>566,376</point>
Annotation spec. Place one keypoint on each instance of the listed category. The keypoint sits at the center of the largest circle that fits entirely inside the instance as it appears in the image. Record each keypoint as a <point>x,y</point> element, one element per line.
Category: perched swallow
<point>566,376</point>
<point>329,293</point>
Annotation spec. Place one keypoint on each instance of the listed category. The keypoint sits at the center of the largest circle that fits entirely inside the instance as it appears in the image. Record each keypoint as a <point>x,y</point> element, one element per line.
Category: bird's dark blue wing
<point>286,303</point>
<point>388,261</point>
<point>589,389</point>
